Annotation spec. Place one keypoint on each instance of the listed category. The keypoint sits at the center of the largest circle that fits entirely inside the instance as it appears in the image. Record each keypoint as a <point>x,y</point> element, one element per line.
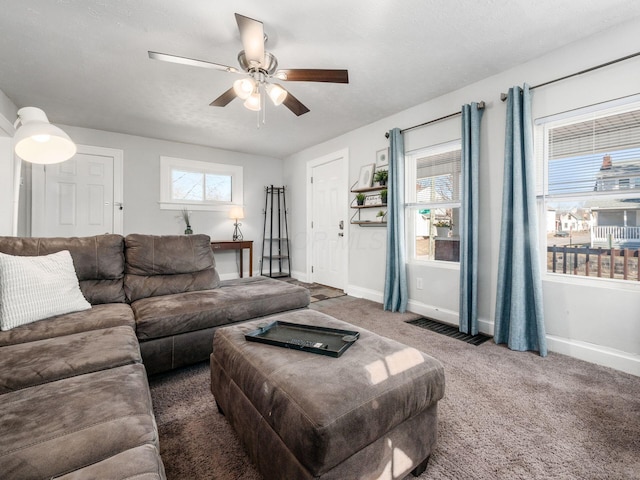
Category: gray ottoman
<point>371,413</point>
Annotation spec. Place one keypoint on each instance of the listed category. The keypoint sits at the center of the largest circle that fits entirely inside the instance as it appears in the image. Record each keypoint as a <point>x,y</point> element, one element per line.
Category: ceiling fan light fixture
<point>244,87</point>
<point>276,93</point>
<point>253,102</point>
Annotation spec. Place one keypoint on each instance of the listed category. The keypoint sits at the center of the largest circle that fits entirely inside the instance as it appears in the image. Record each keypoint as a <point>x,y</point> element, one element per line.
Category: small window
<point>433,202</point>
<point>199,185</point>
<point>590,190</point>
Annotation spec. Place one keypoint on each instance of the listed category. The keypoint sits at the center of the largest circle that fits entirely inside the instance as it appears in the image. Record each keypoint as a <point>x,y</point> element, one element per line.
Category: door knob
<point>340,234</point>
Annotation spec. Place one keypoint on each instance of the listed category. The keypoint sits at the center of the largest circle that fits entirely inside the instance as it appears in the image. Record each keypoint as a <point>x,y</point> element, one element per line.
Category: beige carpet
<point>505,415</point>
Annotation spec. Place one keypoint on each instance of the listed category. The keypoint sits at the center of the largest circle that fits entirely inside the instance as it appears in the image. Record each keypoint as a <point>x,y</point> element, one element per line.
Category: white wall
<point>597,320</point>
<point>142,212</point>
<point>8,114</point>
<point>6,184</point>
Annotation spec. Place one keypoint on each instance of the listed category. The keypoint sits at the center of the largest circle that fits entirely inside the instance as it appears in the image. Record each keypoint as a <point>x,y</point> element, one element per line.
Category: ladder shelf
<point>275,260</point>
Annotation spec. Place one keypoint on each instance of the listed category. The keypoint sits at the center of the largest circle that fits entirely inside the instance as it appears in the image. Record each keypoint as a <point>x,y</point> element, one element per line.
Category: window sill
<point>195,206</point>
<point>595,282</point>
<point>436,264</point>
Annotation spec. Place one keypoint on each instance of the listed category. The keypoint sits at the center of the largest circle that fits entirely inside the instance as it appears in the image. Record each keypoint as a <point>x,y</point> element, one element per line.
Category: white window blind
<point>595,155</point>
<point>438,179</point>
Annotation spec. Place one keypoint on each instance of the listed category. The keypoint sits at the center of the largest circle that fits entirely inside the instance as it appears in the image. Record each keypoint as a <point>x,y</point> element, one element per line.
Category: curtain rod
<point>503,96</point>
<point>480,107</point>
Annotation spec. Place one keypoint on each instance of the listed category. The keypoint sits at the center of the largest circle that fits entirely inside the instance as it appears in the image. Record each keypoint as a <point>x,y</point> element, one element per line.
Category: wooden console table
<point>237,245</point>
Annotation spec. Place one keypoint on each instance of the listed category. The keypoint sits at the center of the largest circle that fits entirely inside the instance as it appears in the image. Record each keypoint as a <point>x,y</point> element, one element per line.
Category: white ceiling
<point>85,61</point>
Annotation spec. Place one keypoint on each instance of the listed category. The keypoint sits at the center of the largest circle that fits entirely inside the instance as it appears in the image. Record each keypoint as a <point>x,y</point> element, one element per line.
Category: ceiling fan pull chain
<point>264,104</point>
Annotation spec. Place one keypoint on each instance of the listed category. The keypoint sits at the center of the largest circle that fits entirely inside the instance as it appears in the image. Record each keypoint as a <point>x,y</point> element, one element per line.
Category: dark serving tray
<point>310,338</point>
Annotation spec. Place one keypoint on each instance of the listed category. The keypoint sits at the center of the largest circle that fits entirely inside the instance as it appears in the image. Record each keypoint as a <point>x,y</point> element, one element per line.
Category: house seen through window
<point>433,202</point>
<point>590,191</point>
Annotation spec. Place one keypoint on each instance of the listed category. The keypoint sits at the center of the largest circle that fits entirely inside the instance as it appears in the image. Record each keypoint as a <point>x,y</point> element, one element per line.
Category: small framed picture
<point>382,157</point>
<point>365,180</point>
<point>373,200</point>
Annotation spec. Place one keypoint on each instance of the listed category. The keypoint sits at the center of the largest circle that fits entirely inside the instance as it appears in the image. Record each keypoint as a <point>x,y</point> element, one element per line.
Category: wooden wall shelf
<point>369,189</point>
<point>377,205</point>
<point>355,218</point>
<point>368,223</point>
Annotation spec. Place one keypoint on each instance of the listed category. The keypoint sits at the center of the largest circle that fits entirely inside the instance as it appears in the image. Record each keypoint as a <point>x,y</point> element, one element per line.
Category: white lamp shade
<point>244,87</point>
<point>37,141</point>
<point>236,212</point>
<point>253,102</point>
<point>276,93</point>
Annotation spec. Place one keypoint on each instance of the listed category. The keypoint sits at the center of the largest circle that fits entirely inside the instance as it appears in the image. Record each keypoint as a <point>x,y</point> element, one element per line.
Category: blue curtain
<point>395,282</point>
<point>471,117</point>
<point>519,315</point>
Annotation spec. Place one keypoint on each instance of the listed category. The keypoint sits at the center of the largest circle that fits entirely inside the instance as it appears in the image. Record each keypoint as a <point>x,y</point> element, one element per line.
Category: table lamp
<point>237,213</point>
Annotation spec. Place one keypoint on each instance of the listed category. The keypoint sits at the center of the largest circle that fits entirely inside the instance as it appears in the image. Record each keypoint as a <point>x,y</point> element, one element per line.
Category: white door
<point>329,223</point>
<point>79,197</point>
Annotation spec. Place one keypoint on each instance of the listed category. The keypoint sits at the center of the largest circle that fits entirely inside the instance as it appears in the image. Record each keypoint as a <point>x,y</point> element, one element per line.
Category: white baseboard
<point>228,276</point>
<point>234,275</point>
<point>365,293</point>
<point>590,352</point>
<point>449,317</point>
<point>301,276</point>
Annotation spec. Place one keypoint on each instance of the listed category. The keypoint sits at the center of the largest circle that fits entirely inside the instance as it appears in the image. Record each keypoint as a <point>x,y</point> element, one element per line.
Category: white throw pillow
<point>33,288</point>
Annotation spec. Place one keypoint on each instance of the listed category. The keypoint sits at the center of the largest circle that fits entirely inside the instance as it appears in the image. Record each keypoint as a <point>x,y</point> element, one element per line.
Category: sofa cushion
<point>235,301</point>
<point>34,288</point>
<point>98,260</point>
<point>100,316</point>
<point>140,463</point>
<point>34,363</point>
<point>167,264</point>
<point>58,427</point>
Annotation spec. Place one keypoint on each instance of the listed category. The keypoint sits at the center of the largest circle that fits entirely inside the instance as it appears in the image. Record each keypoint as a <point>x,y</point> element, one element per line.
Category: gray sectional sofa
<point>74,396</point>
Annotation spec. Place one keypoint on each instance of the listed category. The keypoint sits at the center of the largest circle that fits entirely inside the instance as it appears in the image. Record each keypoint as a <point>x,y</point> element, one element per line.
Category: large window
<point>589,167</point>
<point>199,185</point>
<point>433,202</point>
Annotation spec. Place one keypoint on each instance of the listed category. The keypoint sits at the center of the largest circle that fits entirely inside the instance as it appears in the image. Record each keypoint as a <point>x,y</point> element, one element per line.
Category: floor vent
<point>449,331</point>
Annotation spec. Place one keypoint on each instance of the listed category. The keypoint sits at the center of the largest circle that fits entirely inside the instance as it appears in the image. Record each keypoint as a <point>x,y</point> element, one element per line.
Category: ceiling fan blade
<point>165,57</point>
<point>313,75</point>
<point>295,105</point>
<point>224,99</point>
<point>252,35</point>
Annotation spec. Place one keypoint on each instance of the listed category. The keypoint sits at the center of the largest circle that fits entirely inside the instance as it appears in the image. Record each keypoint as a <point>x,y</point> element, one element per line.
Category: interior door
<point>77,197</point>
<point>329,224</point>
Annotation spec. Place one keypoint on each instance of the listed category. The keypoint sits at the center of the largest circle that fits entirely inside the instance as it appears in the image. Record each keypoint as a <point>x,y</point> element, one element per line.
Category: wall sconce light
<point>237,213</point>
<point>37,141</point>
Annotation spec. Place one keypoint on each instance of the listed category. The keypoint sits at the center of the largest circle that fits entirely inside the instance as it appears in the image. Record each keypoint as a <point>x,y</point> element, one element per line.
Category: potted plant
<point>186,216</point>
<point>360,198</point>
<point>442,228</point>
<point>383,196</point>
<point>380,216</point>
<point>381,177</point>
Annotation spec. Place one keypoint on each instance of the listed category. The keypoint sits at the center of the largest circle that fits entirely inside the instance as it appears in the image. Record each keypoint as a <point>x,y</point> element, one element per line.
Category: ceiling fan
<point>259,68</point>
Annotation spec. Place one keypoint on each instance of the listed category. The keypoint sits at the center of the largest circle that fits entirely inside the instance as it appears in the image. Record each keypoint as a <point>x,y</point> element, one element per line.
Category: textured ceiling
<point>85,61</point>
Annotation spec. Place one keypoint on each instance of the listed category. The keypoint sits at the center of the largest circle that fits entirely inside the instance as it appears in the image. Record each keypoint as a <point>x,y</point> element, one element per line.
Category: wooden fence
<point>593,262</point>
